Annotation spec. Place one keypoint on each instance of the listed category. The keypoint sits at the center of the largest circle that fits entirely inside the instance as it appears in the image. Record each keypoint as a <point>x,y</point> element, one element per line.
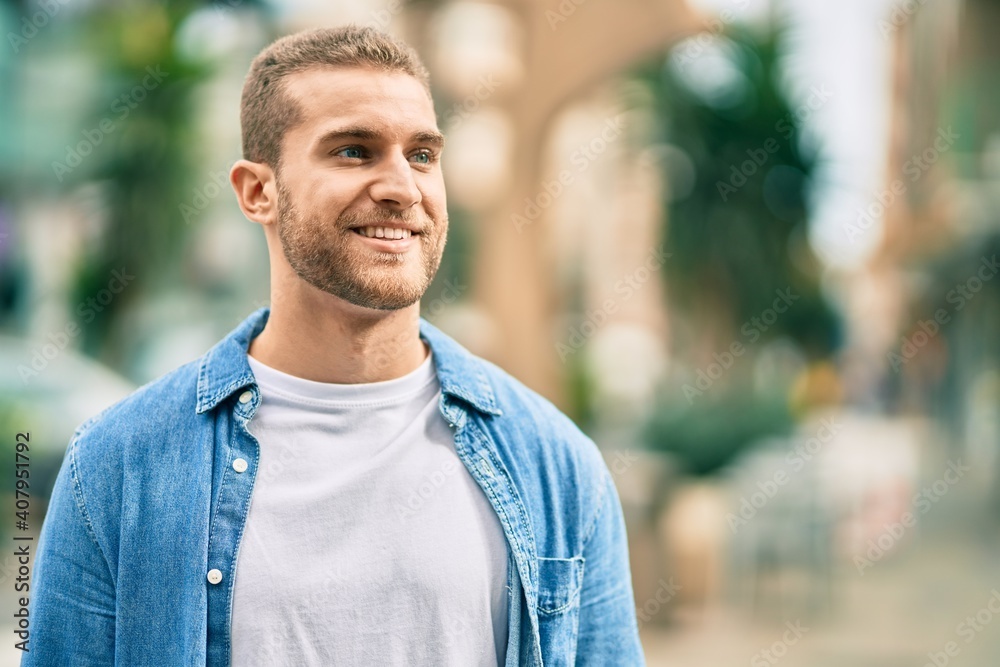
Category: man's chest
<point>374,537</point>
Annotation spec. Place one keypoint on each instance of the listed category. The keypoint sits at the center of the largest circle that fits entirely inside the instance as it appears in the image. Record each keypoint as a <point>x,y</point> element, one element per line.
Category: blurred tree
<point>738,235</point>
<point>147,167</point>
<point>709,434</point>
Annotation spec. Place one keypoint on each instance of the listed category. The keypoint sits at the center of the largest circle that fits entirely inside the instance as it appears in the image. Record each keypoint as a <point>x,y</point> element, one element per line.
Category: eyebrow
<point>366,133</point>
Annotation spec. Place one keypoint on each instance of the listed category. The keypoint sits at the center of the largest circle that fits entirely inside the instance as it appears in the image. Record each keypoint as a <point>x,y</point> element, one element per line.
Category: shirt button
<point>240,465</point>
<point>246,396</point>
<point>214,576</point>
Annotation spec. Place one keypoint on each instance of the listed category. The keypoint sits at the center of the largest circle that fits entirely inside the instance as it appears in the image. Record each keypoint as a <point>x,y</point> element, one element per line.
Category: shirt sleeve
<point>609,632</point>
<point>72,592</point>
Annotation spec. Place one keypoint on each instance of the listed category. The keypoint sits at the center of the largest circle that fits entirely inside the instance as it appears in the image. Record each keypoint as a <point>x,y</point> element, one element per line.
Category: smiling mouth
<point>387,233</point>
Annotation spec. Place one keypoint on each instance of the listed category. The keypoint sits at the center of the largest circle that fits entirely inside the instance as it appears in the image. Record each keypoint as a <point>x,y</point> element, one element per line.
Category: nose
<point>394,186</point>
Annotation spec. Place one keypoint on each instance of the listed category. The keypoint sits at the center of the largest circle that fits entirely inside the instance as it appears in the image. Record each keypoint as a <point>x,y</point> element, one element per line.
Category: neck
<point>319,337</point>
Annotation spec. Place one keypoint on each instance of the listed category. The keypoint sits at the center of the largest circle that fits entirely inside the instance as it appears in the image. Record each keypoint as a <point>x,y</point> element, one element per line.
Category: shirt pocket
<point>559,584</point>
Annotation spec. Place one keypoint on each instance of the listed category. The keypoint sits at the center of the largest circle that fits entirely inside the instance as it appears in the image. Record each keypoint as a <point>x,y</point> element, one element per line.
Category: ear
<point>256,191</point>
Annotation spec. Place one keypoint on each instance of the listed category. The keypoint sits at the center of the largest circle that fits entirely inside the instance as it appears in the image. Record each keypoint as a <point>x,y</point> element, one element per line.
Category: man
<point>336,482</point>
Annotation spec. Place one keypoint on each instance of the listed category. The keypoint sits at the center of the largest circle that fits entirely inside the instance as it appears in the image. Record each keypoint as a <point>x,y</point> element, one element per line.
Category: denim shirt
<point>147,503</point>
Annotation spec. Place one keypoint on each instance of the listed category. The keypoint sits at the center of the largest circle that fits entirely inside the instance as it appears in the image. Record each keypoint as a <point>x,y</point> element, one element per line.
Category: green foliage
<point>708,435</point>
<point>455,270</point>
<point>736,225</point>
<point>146,164</point>
<point>739,235</point>
<point>581,388</point>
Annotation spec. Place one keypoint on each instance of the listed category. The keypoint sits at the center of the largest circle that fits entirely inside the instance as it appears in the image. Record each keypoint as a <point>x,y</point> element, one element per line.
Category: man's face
<point>361,170</point>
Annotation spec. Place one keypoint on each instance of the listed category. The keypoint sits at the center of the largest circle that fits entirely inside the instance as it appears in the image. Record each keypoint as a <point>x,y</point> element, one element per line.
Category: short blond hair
<point>267,112</point>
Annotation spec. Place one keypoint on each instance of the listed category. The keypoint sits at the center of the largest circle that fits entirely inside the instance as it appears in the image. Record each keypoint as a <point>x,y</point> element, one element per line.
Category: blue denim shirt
<point>147,502</point>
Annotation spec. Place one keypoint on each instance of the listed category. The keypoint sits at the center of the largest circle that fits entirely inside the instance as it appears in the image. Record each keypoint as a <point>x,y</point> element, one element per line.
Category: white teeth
<point>385,232</point>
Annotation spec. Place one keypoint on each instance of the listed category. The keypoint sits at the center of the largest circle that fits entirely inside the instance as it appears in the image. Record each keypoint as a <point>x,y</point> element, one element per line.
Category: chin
<point>384,301</point>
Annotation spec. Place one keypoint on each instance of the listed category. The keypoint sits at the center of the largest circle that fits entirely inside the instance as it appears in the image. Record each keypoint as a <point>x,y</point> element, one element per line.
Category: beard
<point>325,256</point>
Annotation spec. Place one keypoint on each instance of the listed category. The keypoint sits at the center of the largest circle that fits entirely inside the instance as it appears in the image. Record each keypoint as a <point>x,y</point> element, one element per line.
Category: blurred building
<point>942,228</point>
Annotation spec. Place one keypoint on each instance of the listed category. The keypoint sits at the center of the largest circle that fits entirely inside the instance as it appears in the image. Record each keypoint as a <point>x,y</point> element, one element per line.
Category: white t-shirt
<point>367,541</point>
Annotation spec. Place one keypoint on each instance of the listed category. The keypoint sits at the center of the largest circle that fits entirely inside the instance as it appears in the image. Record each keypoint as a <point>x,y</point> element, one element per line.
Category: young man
<point>336,482</point>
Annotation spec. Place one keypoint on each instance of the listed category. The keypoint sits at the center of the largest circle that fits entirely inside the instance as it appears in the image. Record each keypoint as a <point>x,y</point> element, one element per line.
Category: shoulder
<point>558,468</point>
<point>124,445</point>
<point>519,404</point>
<point>146,416</point>
<point>541,433</point>
<point>528,428</point>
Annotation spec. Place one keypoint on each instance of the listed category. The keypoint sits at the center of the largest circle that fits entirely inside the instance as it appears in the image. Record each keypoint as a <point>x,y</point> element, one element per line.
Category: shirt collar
<point>224,369</point>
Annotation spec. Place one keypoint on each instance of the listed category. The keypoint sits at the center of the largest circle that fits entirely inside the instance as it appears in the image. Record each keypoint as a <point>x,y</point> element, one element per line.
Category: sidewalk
<point>901,610</point>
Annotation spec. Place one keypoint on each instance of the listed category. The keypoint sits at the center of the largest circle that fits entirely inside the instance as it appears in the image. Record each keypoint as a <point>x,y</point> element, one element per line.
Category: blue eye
<point>353,152</point>
<point>425,157</point>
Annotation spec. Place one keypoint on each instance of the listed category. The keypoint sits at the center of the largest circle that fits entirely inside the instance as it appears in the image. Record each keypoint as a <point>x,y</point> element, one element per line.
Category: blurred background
<point>749,246</point>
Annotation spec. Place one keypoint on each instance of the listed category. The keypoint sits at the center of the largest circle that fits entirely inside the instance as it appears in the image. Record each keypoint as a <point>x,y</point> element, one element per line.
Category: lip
<point>387,245</point>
